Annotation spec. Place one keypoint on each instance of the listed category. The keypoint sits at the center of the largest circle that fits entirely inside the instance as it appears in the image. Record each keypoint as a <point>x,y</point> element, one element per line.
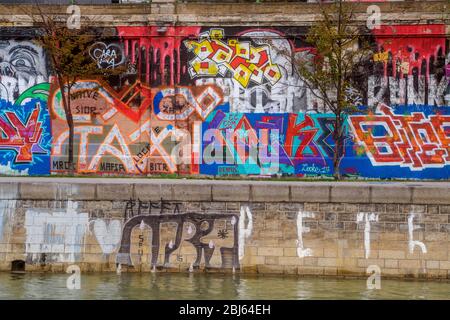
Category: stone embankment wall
<point>251,227</point>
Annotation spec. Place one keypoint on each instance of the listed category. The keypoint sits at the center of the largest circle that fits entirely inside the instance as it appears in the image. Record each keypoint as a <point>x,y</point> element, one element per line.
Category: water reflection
<point>210,286</point>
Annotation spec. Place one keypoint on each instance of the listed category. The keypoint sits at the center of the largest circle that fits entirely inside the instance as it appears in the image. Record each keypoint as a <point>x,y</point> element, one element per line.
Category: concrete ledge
<point>38,191</point>
<point>151,192</point>
<point>391,194</point>
<point>430,195</point>
<point>196,192</point>
<point>312,193</point>
<point>350,194</point>
<point>223,190</point>
<point>78,191</point>
<point>268,193</point>
<point>9,191</point>
<point>170,191</point>
<point>54,191</point>
<point>115,191</point>
<point>230,192</point>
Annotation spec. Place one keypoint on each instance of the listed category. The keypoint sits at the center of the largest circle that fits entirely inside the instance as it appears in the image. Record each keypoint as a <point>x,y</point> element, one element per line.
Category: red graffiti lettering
<point>413,141</point>
<point>305,131</point>
<point>21,137</point>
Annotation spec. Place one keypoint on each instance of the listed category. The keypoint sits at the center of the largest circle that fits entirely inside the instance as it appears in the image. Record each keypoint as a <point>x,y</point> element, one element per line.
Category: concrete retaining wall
<point>239,14</point>
<point>265,227</point>
<point>225,190</point>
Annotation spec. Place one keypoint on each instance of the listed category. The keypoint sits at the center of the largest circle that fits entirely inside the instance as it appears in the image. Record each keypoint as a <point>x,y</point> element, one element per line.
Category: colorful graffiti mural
<point>26,139</point>
<point>227,101</point>
<point>245,62</point>
<point>415,141</point>
<point>253,68</point>
<point>408,69</point>
<point>268,144</point>
<point>118,132</point>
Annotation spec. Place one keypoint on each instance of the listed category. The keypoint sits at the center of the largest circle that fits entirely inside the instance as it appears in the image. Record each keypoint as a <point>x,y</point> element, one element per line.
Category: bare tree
<point>340,47</point>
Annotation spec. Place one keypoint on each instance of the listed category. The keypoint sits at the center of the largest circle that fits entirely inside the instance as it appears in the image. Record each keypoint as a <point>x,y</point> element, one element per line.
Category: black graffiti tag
<point>203,223</point>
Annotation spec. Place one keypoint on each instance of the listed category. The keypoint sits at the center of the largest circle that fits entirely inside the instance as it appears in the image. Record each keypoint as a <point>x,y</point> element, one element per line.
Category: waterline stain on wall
<point>7,209</point>
<point>58,235</point>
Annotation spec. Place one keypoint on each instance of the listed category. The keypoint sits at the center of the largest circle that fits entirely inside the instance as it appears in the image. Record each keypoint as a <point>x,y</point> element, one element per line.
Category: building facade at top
<point>222,100</point>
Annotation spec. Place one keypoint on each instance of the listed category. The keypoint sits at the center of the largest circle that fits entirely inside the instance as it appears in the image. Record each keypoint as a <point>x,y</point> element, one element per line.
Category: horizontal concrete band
<point>231,14</point>
<point>223,190</point>
<point>222,8</point>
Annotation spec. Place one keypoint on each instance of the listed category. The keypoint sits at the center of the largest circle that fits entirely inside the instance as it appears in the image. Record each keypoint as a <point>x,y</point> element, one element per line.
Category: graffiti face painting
<point>22,65</point>
<point>227,101</point>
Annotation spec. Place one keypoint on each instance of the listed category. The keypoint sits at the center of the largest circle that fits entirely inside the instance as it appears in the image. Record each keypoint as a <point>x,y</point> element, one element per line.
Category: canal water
<point>210,286</point>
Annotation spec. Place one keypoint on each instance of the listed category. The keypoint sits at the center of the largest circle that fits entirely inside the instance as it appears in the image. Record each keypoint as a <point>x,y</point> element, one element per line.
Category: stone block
<point>290,270</point>
<point>444,209</point>
<point>249,269</point>
<point>444,265</point>
<point>272,260</point>
<point>432,264</point>
<point>392,208</point>
<point>312,207</point>
<point>391,254</point>
<point>432,209</point>
<point>233,206</point>
<point>330,252</point>
<point>290,252</point>
<point>292,261</point>
<point>307,271</point>
<point>270,251</point>
<point>270,269</point>
<point>367,262</point>
<point>327,262</point>
<point>256,260</point>
<point>391,263</point>
<point>409,264</point>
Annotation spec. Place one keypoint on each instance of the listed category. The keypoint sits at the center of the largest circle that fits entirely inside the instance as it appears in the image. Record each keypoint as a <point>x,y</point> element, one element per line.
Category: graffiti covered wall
<point>25,142</point>
<point>227,101</point>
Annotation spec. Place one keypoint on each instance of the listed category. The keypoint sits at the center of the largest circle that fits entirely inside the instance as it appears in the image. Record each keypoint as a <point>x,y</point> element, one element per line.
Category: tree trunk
<point>69,119</point>
<point>70,124</point>
<point>337,154</point>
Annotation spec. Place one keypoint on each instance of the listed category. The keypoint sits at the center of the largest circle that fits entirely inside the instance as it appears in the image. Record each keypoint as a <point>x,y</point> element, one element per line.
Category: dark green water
<point>210,286</point>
